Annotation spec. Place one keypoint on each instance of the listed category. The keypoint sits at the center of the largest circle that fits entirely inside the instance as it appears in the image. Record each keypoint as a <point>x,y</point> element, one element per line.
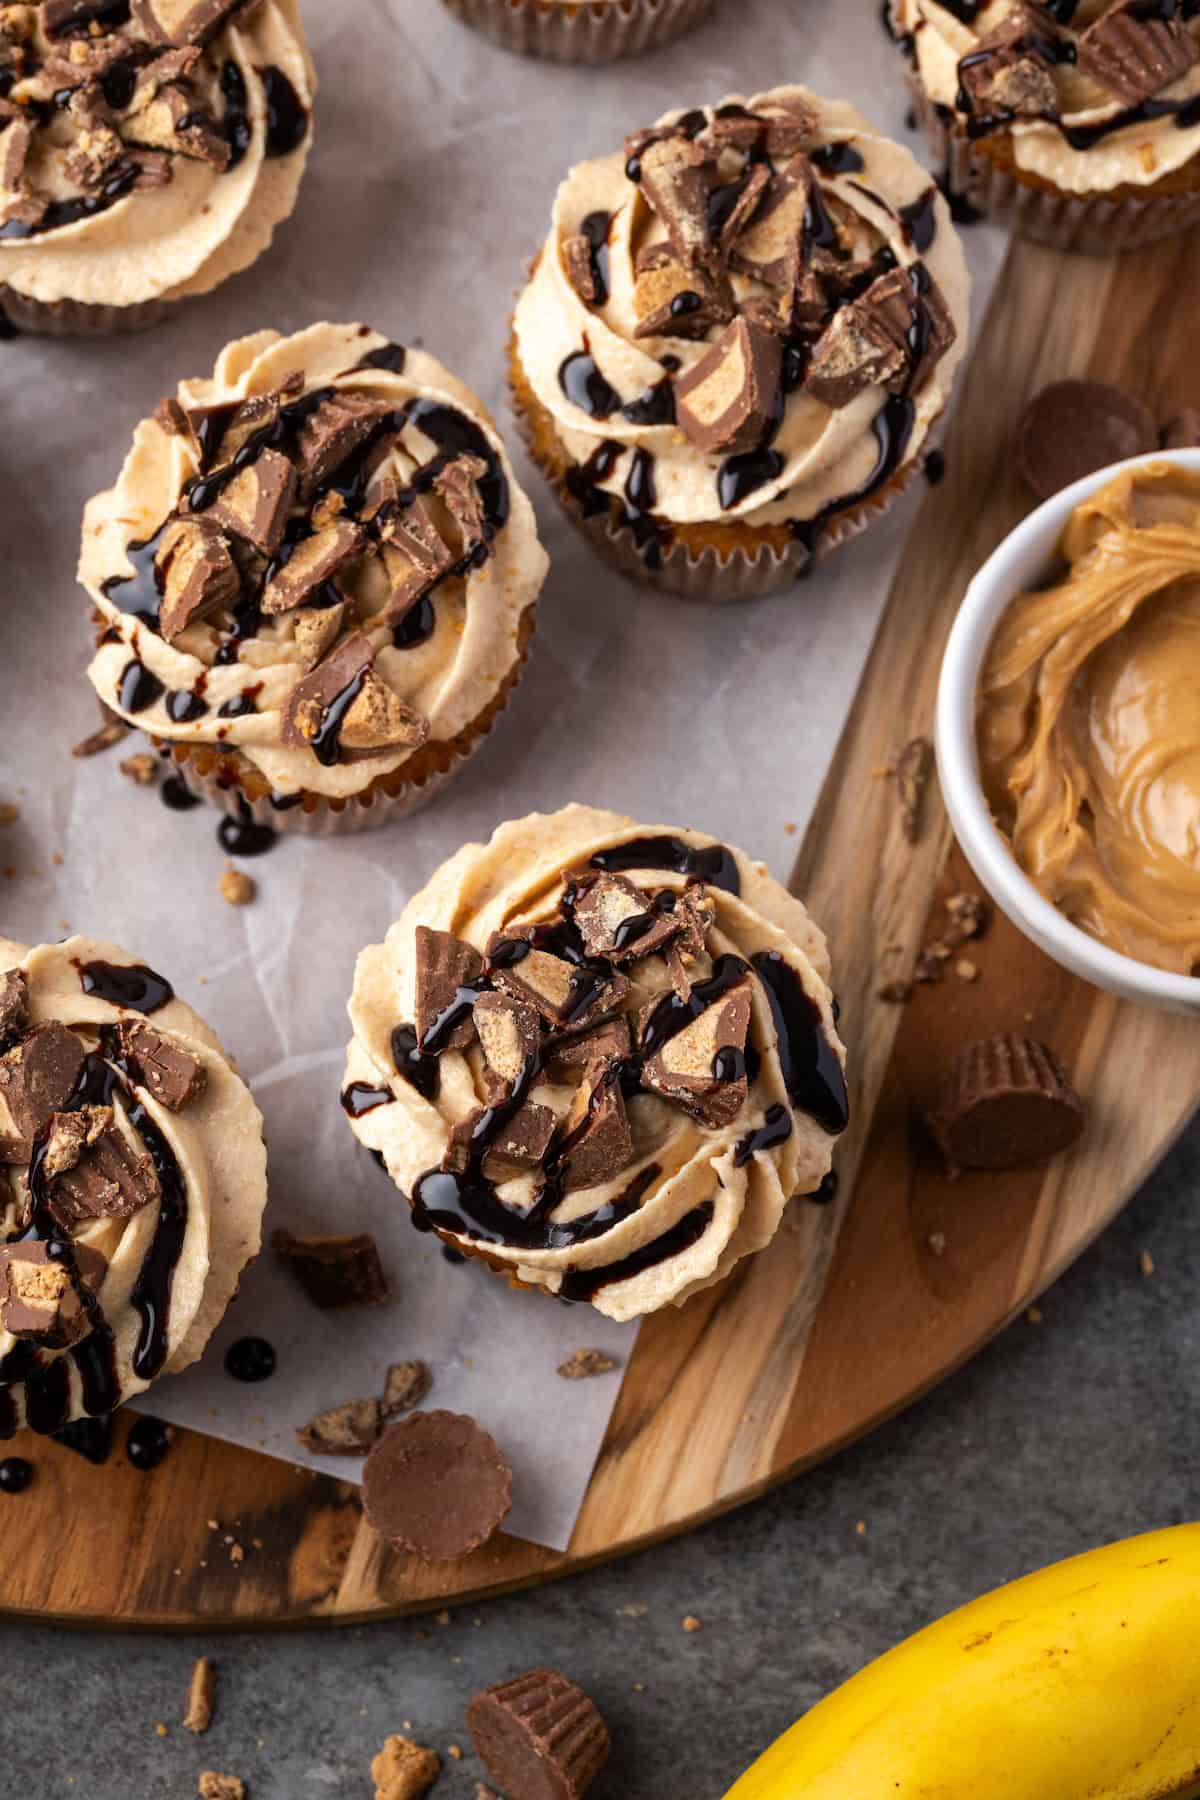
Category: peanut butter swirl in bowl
<point>599,1056</point>
<point>314,578</point>
<point>132,1181</point>
<point>1088,719</point>
<point>148,150</point>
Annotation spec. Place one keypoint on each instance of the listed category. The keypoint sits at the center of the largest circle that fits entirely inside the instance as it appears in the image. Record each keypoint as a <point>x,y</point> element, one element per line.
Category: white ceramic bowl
<point>1017,564</point>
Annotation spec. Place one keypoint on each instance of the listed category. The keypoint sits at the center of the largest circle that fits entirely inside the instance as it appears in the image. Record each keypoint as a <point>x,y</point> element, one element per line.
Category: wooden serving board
<point>857,1308</point>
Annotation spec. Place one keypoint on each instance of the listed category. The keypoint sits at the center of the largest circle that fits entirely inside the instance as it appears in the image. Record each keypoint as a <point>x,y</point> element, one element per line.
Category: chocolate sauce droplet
<point>16,1474</point>
<point>416,1065</point>
<point>176,796</point>
<point>827,1192</point>
<point>243,836</point>
<point>740,476</point>
<point>287,120</point>
<point>147,1443</point>
<point>133,986</point>
<point>90,1438</point>
<point>935,467</point>
<point>585,387</point>
<point>182,707</point>
<point>138,688</point>
<point>388,356</point>
<point>250,1359</point>
<point>451,1255</point>
<point>361,1098</point>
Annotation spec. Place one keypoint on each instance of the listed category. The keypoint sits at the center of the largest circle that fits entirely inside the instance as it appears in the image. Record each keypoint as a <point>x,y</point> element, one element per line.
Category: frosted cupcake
<point>599,1056</point>
<point>737,339</point>
<point>147,152</point>
<point>1077,124</point>
<point>132,1181</point>
<point>580,31</point>
<point>314,579</point>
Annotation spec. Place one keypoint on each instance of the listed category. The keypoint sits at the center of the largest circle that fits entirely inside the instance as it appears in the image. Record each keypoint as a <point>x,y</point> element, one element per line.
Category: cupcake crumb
<point>937,1243</point>
<point>455,1751</point>
<point>966,970</point>
<point>199,1711</point>
<point>1146,1263</point>
<point>142,769</point>
<point>9,814</point>
<point>1034,1315</point>
<point>160,1730</point>
<point>236,887</point>
<point>691,1623</point>
<point>404,1770</point>
<point>221,1787</point>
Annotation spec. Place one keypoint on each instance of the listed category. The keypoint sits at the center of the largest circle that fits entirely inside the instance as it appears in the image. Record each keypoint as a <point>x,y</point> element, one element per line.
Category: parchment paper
<point>435,162</point>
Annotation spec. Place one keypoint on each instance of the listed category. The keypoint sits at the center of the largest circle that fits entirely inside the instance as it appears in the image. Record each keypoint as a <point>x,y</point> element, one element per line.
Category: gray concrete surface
<point>1060,1436</point>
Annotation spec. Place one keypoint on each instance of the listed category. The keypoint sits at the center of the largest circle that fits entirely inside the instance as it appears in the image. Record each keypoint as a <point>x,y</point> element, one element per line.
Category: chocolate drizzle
<point>418,1067</point>
<point>711,863</point>
<point>131,986</point>
<point>389,356</point>
<point>138,688</point>
<point>776,1128</point>
<point>239,132</point>
<point>69,212</point>
<point>812,1073</point>
<point>585,387</point>
<point>360,1098</point>
<point>585,1284</point>
<point>741,476</point>
<point>595,229</point>
<point>287,119</point>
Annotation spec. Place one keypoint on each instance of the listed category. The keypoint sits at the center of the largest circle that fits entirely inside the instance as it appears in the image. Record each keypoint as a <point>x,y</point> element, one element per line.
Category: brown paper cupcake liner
<point>74,318</point>
<point>1089,224</point>
<point>717,575</point>
<point>229,781</point>
<point>580,31</point>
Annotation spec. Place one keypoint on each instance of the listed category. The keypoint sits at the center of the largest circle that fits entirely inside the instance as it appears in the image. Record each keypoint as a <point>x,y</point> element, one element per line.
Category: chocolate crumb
<point>142,768</point>
<point>334,1271</point>
<point>236,887</point>
<point>113,731</point>
<point>404,1770</point>
<point>346,1430</point>
<point>406,1386</point>
<point>583,1363</point>
<point>199,1711</point>
<point>914,765</point>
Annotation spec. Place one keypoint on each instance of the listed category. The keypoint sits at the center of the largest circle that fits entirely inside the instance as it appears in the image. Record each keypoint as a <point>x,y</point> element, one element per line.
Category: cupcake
<point>314,579</point>
<point>147,152</point>
<point>1076,124</point>
<point>580,31</point>
<point>737,339</point>
<point>133,1178</point>
<point>600,1057</point>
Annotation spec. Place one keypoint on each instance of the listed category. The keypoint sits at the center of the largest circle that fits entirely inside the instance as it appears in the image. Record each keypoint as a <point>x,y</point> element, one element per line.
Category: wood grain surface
<point>858,1307</point>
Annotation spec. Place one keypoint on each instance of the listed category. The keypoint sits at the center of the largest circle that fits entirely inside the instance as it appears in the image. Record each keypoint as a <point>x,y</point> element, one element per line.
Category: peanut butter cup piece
<point>448,970</point>
<point>314,561</point>
<point>597,1142</point>
<point>334,1271</point>
<point>866,344</point>
<point>14,1002</point>
<point>37,1078</point>
<point>539,1736</point>
<point>413,555</point>
<point>1010,72</point>
<point>315,630</point>
<point>1008,1102</point>
<point>40,1297</point>
<point>112,1178</point>
<point>343,695</point>
<point>346,1430</point>
<point>728,400</point>
<point>332,432</point>
<point>519,1143</point>
<point>1072,428</point>
<point>672,299</point>
<point>256,503</point>
<point>676,177</point>
<point>1135,50</point>
<point>160,1065</point>
<point>458,486</point>
<point>777,225</point>
<point>564,993</point>
<point>579,269</point>
<point>703,1067</point>
<point>563,1057</point>
<point>437,1486</point>
<point>618,920</point>
<point>197,572</point>
<point>508,1032</point>
<point>185,21</point>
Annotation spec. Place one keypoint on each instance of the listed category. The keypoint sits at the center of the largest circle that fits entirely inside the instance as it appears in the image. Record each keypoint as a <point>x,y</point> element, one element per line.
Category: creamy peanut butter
<point>1088,720</point>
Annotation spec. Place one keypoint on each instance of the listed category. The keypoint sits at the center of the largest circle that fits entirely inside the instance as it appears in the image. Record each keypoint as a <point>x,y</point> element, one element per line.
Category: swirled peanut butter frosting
<point>148,148</point>
<point>1089,720</point>
<point>1094,94</point>
<point>752,313</point>
<point>319,558</point>
<point>602,1056</point>
<point>132,1181</point>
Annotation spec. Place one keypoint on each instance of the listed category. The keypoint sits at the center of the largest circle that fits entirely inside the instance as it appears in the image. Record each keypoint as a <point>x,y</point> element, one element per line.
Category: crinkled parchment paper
<point>435,163</point>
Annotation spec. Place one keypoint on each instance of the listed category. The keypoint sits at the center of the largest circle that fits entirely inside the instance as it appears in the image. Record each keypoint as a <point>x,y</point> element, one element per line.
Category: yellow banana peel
<point>1081,1682</point>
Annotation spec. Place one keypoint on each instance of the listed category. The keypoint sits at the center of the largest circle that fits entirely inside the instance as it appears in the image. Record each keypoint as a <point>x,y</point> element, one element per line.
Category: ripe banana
<point>1081,1682</point>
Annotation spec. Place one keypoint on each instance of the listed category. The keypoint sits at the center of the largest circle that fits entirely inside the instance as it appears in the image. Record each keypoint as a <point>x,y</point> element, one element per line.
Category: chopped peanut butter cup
<point>1008,1102</point>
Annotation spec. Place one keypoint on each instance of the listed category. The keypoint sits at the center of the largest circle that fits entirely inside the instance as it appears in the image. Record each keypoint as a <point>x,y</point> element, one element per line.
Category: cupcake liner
<point>580,31</point>
<point>229,781</point>
<point>74,318</point>
<point>711,575</point>
<point>1089,224</point>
